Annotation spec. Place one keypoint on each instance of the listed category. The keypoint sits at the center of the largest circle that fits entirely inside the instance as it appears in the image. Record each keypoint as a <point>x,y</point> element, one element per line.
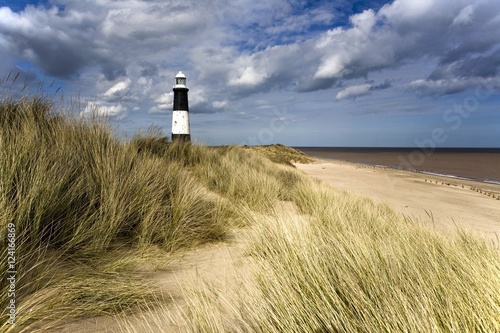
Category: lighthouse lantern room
<point>180,114</point>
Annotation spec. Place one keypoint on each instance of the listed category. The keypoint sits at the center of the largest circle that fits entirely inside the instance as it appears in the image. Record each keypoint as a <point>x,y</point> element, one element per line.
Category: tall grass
<point>76,193</point>
<point>67,181</point>
<point>339,263</point>
<point>354,266</point>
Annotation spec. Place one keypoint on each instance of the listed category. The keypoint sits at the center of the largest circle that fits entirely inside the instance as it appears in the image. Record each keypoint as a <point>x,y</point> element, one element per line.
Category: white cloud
<point>116,37</point>
<point>465,16</point>
<point>364,21</point>
<point>108,34</point>
<point>354,91</point>
<point>332,67</point>
<point>27,25</point>
<point>401,11</point>
<point>436,88</point>
<point>117,90</point>
<point>156,110</point>
<point>112,110</point>
<point>197,97</point>
<point>164,101</point>
<point>103,109</point>
<point>299,23</point>
<point>248,76</point>
<point>402,32</point>
<point>220,104</point>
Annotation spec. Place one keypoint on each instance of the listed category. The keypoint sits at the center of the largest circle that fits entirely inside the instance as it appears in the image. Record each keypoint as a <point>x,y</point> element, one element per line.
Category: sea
<point>480,164</point>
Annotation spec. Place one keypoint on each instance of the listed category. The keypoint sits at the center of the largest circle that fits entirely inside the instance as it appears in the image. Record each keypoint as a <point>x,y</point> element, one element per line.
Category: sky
<point>400,73</point>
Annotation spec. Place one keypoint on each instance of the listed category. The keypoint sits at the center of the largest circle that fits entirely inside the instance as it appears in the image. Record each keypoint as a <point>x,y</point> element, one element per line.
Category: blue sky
<point>302,73</point>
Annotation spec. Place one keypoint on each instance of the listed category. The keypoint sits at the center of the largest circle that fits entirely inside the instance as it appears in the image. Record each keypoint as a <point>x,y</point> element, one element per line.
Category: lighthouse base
<point>181,137</point>
<point>180,125</point>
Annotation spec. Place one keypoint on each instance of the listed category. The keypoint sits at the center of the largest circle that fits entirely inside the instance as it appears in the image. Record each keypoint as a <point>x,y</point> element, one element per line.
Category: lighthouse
<point>180,115</point>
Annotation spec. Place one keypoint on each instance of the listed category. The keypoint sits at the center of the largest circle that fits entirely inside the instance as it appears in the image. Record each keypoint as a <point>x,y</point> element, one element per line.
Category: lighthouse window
<point>181,81</point>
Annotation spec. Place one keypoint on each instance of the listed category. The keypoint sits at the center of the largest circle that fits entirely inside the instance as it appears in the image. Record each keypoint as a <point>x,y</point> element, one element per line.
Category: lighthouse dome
<point>180,80</point>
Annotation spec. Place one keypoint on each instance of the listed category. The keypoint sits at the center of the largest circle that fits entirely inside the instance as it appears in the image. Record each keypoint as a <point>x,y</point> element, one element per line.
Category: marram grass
<point>76,192</point>
<point>73,190</point>
<point>353,266</point>
<point>90,208</point>
<point>340,263</point>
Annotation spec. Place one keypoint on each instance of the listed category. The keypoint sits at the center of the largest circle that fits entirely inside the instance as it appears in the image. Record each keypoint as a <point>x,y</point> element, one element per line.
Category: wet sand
<point>477,164</point>
<point>438,202</point>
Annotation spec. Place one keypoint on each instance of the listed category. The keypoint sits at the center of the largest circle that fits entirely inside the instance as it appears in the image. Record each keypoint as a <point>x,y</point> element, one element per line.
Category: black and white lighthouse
<point>180,115</point>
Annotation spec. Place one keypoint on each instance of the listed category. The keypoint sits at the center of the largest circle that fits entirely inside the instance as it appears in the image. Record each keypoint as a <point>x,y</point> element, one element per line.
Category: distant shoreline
<point>473,164</point>
<point>431,199</point>
<point>446,149</point>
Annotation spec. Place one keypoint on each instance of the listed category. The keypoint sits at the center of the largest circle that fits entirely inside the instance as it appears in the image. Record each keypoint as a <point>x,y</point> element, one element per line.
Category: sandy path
<point>226,267</point>
<point>417,195</point>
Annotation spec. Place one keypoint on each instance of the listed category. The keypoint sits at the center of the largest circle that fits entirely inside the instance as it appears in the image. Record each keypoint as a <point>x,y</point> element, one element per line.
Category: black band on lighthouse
<point>181,99</point>
<point>181,137</point>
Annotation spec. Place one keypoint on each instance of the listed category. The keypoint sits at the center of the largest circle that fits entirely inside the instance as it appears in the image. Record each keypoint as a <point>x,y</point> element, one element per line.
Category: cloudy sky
<point>302,73</point>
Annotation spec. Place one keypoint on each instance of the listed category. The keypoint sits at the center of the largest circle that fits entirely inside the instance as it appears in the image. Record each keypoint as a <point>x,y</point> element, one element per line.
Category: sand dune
<point>440,202</point>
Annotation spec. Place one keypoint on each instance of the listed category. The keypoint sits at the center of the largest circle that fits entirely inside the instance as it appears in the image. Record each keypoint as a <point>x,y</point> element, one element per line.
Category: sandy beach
<point>440,202</point>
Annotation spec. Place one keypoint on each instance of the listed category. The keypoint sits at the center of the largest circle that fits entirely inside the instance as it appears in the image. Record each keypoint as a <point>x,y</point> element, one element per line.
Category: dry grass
<point>73,190</point>
<point>88,207</point>
<point>281,154</point>
<point>353,266</point>
<point>344,264</point>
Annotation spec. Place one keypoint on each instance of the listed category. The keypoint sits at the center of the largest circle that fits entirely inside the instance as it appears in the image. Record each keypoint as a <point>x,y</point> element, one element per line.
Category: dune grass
<point>353,266</point>
<point>339,263</point>
<point>75,193</point>
<point>91,210</point>
<point>281,154</point>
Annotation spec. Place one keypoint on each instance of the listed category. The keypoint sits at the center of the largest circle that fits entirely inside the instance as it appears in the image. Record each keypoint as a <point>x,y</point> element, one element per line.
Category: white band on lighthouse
<point>180,122</point>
